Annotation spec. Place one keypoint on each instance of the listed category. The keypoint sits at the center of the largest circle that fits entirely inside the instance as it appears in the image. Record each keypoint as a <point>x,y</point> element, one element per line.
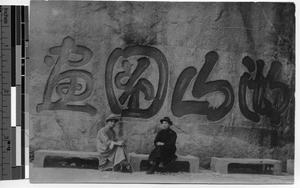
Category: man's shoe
<point>124,163</point>
<point>126,169</point>
<point>108,169</point>
<point>117,168</point>
<point>150,171</point>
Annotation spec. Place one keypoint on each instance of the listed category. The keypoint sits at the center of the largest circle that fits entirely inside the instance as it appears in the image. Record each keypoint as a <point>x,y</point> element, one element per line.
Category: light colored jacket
<point>105,137</point>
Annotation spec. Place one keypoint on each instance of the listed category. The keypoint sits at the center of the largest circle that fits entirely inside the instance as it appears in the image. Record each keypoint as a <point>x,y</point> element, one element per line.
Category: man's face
<point>111,123</point>
<point>165,125</point>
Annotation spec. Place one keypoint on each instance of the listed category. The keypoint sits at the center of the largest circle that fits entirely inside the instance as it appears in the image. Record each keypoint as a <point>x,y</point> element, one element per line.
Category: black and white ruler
<point>13,55</point>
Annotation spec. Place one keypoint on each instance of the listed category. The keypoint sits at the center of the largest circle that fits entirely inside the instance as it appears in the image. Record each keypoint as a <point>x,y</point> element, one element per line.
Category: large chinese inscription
<point>260,85</point>
<point>69,89</point>
<point>134,84</point>
<point>201,87</point>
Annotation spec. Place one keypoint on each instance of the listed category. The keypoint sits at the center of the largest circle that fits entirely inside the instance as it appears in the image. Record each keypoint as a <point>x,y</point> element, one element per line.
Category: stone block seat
<point>72,159</point>
<point>290,166</point>
<point>246,165</point>
<point>137,161</point>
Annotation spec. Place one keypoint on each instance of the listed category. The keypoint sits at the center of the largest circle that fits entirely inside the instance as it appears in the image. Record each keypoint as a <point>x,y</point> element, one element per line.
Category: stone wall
<point>223,72</point>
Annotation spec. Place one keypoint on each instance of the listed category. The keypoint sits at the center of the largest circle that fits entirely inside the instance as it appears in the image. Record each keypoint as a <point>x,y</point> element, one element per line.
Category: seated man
<point>111,149</point>
<point>164,151</point>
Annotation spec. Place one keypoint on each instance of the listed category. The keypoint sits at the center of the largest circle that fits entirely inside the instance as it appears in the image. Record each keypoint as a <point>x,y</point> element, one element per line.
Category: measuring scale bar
<point>14,37</point>
<point>6,137</point>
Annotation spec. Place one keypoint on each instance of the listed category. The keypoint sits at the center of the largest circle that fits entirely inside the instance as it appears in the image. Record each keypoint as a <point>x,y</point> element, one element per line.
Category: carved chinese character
<point>72,85</point>
<point>132,84</point>
<point>260,85</point>
<point>201,88</point>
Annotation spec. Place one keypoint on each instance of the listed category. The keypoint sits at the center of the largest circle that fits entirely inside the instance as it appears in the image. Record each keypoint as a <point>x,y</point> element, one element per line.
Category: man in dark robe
<point>165,148</point>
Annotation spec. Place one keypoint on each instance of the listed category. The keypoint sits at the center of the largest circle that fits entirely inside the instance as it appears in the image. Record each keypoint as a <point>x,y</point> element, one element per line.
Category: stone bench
<point>290,166</point>
<point>41,155</point>
<point>136,159</point>
<point>222,165</point>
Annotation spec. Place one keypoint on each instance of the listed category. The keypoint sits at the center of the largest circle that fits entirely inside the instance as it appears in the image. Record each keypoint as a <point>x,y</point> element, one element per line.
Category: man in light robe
<point>111,149</point>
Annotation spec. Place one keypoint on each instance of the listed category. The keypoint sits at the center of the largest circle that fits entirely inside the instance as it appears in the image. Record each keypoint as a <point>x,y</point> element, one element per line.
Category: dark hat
<point>112,117</point>
<point>167,119</point>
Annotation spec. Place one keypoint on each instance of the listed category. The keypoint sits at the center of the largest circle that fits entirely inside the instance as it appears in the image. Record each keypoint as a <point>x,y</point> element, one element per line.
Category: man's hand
<point>111,146</point>
<point>159,144</point>
<point>119,143</point>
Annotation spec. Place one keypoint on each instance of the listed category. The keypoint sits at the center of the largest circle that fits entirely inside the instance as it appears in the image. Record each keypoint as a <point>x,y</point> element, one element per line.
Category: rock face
<point>223,72</point>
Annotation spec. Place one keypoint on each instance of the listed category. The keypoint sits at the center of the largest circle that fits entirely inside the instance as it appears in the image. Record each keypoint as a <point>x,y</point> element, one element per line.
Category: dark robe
<point>166,152</point>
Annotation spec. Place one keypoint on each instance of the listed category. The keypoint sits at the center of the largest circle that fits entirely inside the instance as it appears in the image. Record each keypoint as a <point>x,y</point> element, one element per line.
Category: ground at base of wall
<point>63,175</point>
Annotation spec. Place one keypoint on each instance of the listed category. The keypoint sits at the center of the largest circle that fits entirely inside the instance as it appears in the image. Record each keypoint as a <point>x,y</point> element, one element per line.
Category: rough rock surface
<point>184,33</point>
